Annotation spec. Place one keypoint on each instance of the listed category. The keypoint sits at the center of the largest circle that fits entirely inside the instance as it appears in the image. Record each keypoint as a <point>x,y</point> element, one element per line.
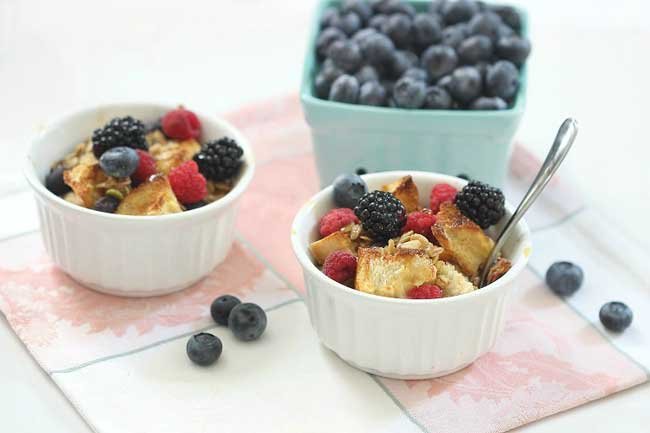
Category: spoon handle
<point>561,146</point>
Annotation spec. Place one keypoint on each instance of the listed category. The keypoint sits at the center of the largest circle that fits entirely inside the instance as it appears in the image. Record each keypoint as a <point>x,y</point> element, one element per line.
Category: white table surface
<point>589,61</point>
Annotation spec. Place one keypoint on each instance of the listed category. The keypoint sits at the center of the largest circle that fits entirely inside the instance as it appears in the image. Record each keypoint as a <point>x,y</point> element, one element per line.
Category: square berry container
<point>347,137</point>
<point>135,256</point>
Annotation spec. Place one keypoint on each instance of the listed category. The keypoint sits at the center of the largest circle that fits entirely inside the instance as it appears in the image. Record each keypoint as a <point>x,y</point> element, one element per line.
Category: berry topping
<point>198,204</point>
<point>188,184</point>
<point>348,189</point>
<point>108,204</point>
<point>381,214</point>
<point>564,278</point>
<point>441,193</point>
<point>219,160</point>
<point>420,222</point>
<point>615,316</point>
<point>425,291</point>
<point>119,161</point>
<point>204,349</point>
<point>341,266</point>
<point>335,220</point>
<point>482,203</point>
<point>146,167</point>
<point>221,308</point>
<point>55,183</point>
<point>247,321</point>
<point>120,131</point>
<point>181,124</point>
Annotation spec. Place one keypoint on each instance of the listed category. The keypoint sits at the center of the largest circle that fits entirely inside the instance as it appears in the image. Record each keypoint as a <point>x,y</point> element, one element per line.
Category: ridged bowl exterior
<point>131,255</point>
<point>402,338</point>
<point>347,136</point>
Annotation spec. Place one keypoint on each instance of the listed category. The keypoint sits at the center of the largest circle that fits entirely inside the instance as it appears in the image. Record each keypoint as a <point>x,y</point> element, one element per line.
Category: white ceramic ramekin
<point>131,255</point>
<point>404,338</point>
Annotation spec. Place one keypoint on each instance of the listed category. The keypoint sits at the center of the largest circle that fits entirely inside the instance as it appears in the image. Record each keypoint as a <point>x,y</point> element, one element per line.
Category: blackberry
<point>219,160</point>
<point>381,214</point>
<point>120,131</point>
<point>482,203</point>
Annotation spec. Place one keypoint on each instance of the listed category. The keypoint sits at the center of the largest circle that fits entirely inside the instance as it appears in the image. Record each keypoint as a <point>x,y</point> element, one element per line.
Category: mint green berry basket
<point>350,137</point>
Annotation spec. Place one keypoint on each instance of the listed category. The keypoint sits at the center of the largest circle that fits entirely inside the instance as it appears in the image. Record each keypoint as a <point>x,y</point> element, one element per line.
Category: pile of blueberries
<point>457,54</point>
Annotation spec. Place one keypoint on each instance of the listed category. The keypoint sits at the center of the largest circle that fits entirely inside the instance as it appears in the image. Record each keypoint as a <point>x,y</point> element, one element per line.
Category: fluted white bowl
<point>404,338</point>
<point>131,255</point>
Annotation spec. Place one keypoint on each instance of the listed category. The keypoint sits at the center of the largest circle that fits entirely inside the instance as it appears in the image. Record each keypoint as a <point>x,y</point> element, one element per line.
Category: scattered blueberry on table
<point>221,308</point>
<point>616,316</point>
<point>564,278</point>
<point>247,321</point>
<point>204,348</point>
<point>455,54</point>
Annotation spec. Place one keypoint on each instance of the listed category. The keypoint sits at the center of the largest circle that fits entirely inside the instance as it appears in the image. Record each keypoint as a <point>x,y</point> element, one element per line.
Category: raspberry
<point>425,291</point>
<point>420,222</point>
<point>441,193</point>
<point>181,124</point>
<point>146,167</point>
<point>335,220</point>
<point>341,266</point>
<point>188,184</point>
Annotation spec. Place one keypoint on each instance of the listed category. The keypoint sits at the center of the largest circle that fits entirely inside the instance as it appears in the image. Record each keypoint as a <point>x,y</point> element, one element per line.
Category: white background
<point>590,61</point>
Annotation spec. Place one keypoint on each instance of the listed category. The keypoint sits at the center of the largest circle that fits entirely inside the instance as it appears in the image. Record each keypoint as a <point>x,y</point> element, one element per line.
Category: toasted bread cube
<point>171,154</point>
<point>393,274</point>
<point>451,281</point>
<point>464,242</point>
<point>83,179</point>
<point>336,241</point>
<point>406,191</point>
<point>498,269</point>
<point>155,197</point>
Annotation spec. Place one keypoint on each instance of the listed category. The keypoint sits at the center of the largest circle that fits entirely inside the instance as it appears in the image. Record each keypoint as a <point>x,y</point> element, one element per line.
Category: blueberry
<point>377,22</point>
<point>475,49</point>
<point>221,307</point>
<point>616,316</point>
<point>458,11</point>
<point>416,73</point>
<point>402,61</point>
<point>107,204</point>
<point>325,78</point>
<point>348,189</point>
<point>389,85</point>
<point>435,6</point>
<point>378,49</point>
<point>330,15</point>
<point>514,49</point>
<point>346,55</point>
<point>486,103</point>
<point>119,161</point>
<point>439,60</point>
<point>505,31</point>
<point>392,7</point>
<point>409,93</point>
<point>399,28</point>
<point>326,38</point>
<point>367,73</point>
<point>247,321</point>
<point>359,7</point>
<point>345,89</point>
<point>362,34</point>
<point>437,98</point>
<point>426,30</point>
<point>466,84</point>
<point>487,24</point>
<point>361,171</point>
<point>349,22</point>
<point>463,176</point>
<point>452,36</point>
<point>55,183</point>
<point>564,278</point>
<point>509,15</point>
<point>204,349</point>
<point>502,80</point>
<point>196,205</point>
<point>444,82</point>
<point>372,93</point>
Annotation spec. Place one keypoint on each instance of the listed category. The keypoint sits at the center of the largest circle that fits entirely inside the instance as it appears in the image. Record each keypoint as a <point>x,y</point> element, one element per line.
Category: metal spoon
<point>561,146</point>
